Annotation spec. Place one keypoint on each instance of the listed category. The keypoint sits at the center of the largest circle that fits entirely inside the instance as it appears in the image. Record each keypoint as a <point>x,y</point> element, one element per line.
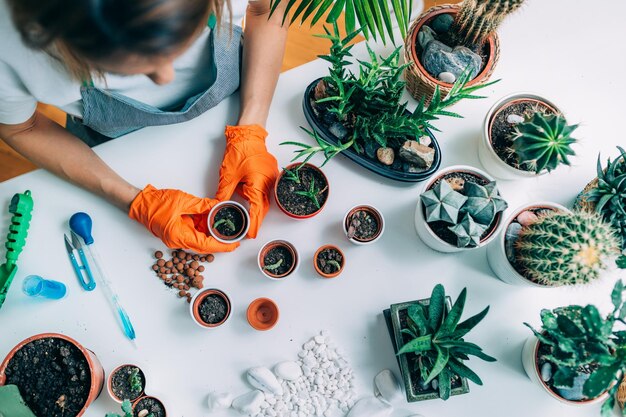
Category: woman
<point>116,66</point>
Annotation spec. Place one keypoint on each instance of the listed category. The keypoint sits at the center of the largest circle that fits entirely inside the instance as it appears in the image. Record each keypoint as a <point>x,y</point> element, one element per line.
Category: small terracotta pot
<point>420,83</point>
<point>490,160</point>
<point>263,314</point>
<point>372,211</point>
<point>136,402</point>
<point>424,230</point>
<point>110,383</point>
<point>95,367</point>
<point>240,233</point>
<point>318,269</point>
<point>194,307</point>
<point>268,247</point>
<point>284,210</point>
<point>530,361</point>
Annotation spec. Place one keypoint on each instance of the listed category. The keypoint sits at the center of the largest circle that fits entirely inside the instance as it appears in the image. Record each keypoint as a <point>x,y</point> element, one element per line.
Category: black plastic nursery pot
<point>395,317</point>
<point>370,164</point>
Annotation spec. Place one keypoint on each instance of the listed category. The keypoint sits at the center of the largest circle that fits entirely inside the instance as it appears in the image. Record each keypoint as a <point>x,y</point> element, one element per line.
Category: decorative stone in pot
<point>524,135</point>
<point>210,308</point>
<point>301,191</point>
<point>329,261</point>
<point>278,259</point>
<point>46,389</point>
<point>126,382</point>
<point>229,222</point>
<point>363,224</point>
<point>459,209</point>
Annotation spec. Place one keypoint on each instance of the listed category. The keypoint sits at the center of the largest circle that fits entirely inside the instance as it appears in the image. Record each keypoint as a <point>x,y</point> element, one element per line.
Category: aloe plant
<point>438,343</point>
<point>578,338</point>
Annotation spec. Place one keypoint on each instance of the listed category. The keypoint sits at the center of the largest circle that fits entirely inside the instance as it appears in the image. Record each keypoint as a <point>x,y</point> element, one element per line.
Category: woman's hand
<point>178,219</point>
<point>250,169</point>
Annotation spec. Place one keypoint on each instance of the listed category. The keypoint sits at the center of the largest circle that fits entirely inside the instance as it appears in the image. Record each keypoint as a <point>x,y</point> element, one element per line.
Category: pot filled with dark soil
<point>152,405</point>
<point>229,222</point>
<point>126,382</point>
<point>301,191</point>
<point>262,314</point>
<point>495,150</point>
<point>56,376</point>
<point>278,259</point>
<point>363,224</point>
<point>459,209</point>
<point>210,308</point>
<point>329,261</point>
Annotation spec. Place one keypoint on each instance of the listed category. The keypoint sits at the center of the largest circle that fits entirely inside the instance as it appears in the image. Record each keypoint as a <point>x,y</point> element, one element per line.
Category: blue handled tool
<point>88,283</point>
<point>81,224</point>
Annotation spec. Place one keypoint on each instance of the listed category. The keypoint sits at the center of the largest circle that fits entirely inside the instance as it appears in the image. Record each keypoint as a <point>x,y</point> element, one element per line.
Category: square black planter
<point>410,377</point>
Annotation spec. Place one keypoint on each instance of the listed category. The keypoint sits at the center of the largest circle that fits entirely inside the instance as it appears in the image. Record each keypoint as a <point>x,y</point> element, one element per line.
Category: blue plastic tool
<point>36,286</point>
<point>81,224</point>
<point>88,283</point>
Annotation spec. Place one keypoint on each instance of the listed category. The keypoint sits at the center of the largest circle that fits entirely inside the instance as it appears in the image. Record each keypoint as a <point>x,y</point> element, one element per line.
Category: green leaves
<point>436,307</point>
<point>600,380</point>
<point>419,344</point>
<point>127,409</point>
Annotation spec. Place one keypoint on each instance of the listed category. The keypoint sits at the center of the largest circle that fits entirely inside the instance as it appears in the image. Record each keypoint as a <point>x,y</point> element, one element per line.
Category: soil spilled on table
<point>278,260</point>
<point>52,375</point>
<point>213,309</point>
<point>297,204</point>
<point>152,405</point>
<point>228,221</point>
<point>330,261</point>
<point>121,383</point>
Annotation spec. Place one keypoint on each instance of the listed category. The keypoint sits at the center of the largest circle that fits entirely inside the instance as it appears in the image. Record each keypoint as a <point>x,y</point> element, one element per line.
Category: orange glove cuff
<point>236,134</point>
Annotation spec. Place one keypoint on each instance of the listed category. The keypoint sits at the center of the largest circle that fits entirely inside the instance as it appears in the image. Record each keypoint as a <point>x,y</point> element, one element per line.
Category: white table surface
<point>555,48</point>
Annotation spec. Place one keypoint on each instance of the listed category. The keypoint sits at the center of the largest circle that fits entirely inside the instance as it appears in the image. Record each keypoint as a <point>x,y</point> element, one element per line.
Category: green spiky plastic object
<point>21,208</point>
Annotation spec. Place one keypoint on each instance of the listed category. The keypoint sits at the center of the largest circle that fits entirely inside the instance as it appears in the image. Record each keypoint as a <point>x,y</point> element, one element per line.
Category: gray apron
<point>108,115</point>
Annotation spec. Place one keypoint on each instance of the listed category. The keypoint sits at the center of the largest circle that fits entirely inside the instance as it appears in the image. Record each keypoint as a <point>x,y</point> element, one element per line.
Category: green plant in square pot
<point>606,194</point>
<point>578,356</point>
<point>432,351</point>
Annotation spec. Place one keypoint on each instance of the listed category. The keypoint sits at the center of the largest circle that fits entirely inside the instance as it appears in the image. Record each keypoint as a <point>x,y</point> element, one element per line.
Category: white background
<point>570,52</point>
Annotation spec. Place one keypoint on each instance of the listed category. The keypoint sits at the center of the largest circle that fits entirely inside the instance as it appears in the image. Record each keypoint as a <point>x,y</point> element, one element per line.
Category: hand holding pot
<point>178,219</point>
<point>249,169</point>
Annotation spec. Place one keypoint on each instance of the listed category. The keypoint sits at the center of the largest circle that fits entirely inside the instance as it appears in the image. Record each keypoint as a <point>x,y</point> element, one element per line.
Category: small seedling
<point>312,193</point>
<point>292,175</point>
<point>273,267</point>
<point>227,222</point>
<point>335,264</point>
<point>134,380</point>
<point>127,410</point>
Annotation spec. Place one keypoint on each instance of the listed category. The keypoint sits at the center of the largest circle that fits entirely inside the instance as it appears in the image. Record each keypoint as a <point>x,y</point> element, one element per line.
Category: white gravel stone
<point>289,371</point>
<point>249,403</point>
<point>263,379</point>
<point>219,400</point>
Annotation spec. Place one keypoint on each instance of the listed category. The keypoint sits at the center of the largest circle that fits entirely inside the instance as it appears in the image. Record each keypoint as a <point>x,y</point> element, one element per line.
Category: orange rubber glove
<point>249,169</point>
<point>178,219</point>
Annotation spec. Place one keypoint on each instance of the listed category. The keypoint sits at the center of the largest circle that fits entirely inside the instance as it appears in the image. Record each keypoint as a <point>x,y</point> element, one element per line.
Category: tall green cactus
<point>478,19</point>
<point>566,248</point>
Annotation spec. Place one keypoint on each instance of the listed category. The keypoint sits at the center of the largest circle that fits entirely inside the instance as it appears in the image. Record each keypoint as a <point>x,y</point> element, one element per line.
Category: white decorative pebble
<point>546,372</point>
<point>249,403</point>
<point>219,400</point>
<point>387,386</point>
<point>289,371</point>
<point>264,380</point>
<point>514,119</point>
<point>447,77</point>
<point>320,340</point>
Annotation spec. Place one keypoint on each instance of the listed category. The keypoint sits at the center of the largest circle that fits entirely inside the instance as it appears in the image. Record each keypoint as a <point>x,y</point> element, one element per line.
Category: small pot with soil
<point>501,253</point>
<point>262,314</point>
<point>126,382</point>
<point>363,224</point>
<point>301,191</point>
<point>533,360</point>
<point>278,259</point>
<point>210,308</point>
<point>459,209</point>
<point>229,222</point>
<point>329,261</point>
<point>56,376</point>
<point>149,405</point>
<point>500,128</point>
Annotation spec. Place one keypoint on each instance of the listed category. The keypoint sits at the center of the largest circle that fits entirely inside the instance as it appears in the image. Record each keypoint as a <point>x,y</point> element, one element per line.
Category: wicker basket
<point>581,202</point>
<point>419,82</point>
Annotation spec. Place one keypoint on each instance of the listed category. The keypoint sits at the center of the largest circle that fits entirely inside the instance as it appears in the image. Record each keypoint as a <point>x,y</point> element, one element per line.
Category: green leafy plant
<point>227,223</point>
<point>478,19</point>
<point>373,16</point>
<point>292,174</point>
<point>274,266</point>
<point>335,264</point>
<point>609,196</point>
<point>368,105</point>
<point>127,410</point>
<point>438,343</point>
<point>566,248</point>
<point>469,211</point>
<point>312,193</point>
<point>134,380</point>
<point>543,141</point>
<point>580,340</point>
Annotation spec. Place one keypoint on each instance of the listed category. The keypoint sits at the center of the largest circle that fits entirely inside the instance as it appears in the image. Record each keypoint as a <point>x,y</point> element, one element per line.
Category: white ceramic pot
<point>242,234</point>
<point>496,252</point>
<point>423,229</point>
<point>488,157</point>
<point>531,366</point>
<point>375,212</point>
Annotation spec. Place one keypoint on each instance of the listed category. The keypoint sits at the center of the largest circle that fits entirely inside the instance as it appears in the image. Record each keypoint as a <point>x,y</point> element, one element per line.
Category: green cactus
<point>483,202</point>
<point>442,203</point>
<point>609,197</point>
<point>543,141</point>
<point>566,248</point>
<point>468,232</point>
<point>579,338</point>
<point>478,19</point>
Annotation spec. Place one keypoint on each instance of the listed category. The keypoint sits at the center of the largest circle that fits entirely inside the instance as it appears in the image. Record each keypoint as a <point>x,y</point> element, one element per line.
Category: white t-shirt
<point>28,76</point>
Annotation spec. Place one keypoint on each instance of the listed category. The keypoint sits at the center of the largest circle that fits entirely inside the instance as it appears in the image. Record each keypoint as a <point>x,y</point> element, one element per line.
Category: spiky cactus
<point>483,202</point>
<point>442,203</point>
<point>566,248</point>
<point>543,141</point>
<point>478,19</point>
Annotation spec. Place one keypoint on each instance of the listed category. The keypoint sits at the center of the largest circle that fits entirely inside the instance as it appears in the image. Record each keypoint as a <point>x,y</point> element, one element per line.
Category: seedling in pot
<point>210,308</point>
<point>329,261</point>
<point>363,224</point>
<point>149,406</point>
<point>278,259</point>
<point>127,410</point>
<point>229,222</point>
<point>301,191</point>
<point>313,193</point>
<point>126,382</point>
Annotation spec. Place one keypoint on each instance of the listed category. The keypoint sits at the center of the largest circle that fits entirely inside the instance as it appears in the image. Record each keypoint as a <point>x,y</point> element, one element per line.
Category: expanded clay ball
<point>158,254</point>
<point>200,268</point>
<point>169,264</point>
<point>182,272</point>
<point>210,258</point>
<point>194,265</point>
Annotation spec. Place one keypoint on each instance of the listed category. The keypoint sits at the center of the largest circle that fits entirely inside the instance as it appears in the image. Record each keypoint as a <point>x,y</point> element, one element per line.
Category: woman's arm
<point>51,147</point>
<point>264,47</point>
